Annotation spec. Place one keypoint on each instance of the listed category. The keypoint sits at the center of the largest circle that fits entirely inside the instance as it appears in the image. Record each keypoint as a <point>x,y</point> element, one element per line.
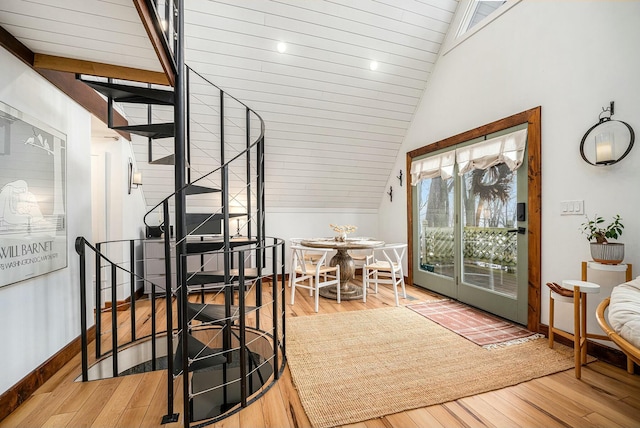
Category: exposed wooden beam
<point>16,47</point>
<point>50,62</point>
<point>66,82</point>
<point>154,33</point>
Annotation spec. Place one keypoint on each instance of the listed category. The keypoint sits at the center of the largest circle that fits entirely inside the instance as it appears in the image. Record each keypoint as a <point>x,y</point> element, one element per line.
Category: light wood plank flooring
<point>605,397</point>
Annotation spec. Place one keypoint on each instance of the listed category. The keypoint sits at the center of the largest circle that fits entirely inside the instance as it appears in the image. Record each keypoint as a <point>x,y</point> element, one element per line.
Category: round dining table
<point>342,258</point>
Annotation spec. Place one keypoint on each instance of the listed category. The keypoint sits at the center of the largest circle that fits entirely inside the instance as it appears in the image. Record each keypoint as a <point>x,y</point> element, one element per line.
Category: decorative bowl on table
<point>342,231</point>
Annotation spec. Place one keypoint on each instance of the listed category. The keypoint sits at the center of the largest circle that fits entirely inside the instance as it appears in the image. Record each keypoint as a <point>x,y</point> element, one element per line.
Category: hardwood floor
<point>605,396</point>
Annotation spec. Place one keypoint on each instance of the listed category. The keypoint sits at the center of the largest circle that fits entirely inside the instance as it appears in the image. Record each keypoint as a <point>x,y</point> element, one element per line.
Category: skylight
<point>477,12</point>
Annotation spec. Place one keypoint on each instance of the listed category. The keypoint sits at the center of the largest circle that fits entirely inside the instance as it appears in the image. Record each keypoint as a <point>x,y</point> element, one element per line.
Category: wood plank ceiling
<point>103,31</point>
<point>334,125</point>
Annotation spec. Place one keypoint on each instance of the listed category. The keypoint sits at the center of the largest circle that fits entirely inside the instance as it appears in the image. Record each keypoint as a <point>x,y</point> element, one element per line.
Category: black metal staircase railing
<point>104,263</point>
<point>226,350</point>
<point>256,366</point>
<point>194,355</point>
<point>167,22</point>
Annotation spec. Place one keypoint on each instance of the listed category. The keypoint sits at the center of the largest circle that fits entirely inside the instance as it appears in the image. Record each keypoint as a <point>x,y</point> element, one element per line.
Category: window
<point>478,10</point>
<point>471,17</point>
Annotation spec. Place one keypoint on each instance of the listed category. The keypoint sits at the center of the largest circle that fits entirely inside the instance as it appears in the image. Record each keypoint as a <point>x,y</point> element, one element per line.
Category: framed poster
<point>33,232</point>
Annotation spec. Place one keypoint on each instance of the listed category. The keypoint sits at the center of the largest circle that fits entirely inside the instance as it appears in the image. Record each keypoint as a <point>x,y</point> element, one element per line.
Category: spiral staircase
<point>217,318</point>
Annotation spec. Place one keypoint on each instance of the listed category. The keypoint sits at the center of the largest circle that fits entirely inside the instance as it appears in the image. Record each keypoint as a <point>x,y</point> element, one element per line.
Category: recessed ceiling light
<point>282,47</point>
<point>373,65</point>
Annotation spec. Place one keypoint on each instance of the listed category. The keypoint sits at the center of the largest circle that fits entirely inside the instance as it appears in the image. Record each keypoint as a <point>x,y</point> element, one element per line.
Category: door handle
<point>520,230</point>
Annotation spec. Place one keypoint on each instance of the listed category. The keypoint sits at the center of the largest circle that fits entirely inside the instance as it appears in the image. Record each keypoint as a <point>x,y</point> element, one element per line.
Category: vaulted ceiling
<point>334,124</point>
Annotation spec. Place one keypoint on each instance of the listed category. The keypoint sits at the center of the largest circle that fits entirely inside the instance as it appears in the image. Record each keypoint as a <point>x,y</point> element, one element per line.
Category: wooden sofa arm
<point>633,353</point>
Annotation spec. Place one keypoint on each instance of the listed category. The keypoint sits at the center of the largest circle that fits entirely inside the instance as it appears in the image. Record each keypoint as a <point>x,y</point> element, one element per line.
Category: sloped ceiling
<point>334,125</point>
<point>93,30</point>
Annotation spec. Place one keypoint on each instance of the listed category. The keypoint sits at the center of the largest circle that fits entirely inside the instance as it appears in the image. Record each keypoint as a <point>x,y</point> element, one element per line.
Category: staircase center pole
<point>180,207</point>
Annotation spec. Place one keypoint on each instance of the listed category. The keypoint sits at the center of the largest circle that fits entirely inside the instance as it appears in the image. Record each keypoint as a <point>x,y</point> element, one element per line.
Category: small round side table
<point>579,337</point>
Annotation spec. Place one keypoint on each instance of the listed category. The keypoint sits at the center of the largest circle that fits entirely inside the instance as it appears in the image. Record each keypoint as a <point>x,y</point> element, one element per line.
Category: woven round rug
<point>354,366</point>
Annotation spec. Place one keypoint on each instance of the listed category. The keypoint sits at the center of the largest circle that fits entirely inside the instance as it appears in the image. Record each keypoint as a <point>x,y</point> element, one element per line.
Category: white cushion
<point>624,311</point>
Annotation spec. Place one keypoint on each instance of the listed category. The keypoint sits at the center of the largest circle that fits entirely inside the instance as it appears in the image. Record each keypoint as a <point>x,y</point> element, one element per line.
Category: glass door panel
<point>489,241</point>
<point>494,242</point>
<point>436,214</point>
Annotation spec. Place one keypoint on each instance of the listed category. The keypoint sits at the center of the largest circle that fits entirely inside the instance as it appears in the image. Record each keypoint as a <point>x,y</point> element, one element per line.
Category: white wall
<point>571,58</point>
<point>313,223</point>
<point>42,315</point>
<point>121,216</point>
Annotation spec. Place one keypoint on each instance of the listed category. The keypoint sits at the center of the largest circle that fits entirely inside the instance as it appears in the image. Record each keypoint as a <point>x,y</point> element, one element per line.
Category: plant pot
<point>607,253</point>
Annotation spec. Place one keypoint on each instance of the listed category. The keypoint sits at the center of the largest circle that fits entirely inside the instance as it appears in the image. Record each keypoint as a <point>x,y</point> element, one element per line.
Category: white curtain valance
<point>434,166</point>
<point>507,149</point>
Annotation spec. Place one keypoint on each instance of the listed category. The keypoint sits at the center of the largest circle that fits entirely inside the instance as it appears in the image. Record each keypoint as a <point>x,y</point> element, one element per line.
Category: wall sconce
<point>390,193</point>
<point>135,177</point>
<point>608,141</point>
<point>399,177</point>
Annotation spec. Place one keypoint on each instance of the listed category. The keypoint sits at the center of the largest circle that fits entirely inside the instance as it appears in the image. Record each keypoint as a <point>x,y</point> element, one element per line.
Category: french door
<point>470,233</point>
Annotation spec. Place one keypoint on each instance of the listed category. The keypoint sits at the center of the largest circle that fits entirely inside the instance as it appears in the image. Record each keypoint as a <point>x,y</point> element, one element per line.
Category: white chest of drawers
<point>154,266</point>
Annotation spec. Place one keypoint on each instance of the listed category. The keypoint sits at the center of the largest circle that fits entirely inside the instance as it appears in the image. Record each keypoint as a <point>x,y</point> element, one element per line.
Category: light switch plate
<point>572,208</point>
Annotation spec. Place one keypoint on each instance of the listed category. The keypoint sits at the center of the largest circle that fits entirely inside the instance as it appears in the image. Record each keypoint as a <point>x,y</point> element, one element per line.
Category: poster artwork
<point>33,233</point>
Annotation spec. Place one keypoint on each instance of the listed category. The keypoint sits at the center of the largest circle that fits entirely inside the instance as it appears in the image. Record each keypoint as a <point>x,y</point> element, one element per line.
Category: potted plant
<point>603,251</point>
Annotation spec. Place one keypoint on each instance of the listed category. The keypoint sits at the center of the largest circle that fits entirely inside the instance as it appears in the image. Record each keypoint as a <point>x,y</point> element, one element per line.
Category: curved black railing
<point>249,367</point>
<point>257,143</point>
<point>222,215</point>
<point>233,340</point>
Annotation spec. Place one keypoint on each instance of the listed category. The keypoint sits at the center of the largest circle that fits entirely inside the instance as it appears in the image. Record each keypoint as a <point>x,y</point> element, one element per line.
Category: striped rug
<point>481,328</point>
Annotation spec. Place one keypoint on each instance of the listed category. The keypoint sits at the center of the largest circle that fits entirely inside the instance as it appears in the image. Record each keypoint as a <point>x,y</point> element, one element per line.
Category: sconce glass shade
<point>607,142</point>
<point>137,178</point>
<point>605,148</point>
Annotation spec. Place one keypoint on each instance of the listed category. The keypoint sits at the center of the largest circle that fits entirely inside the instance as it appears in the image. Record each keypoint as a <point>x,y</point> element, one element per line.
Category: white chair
<point>384,267</point>
<point>316,274</point>
<point>359,258</point>
<point>311,256</point>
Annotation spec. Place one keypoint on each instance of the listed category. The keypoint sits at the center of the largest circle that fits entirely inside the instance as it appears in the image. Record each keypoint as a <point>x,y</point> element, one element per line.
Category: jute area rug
<point>354,366</point>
